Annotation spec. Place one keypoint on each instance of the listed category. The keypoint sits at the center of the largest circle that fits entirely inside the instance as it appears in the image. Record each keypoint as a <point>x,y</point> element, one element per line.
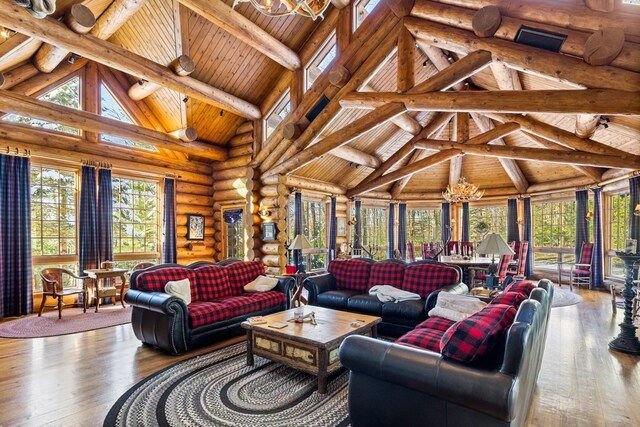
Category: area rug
<point>73,321</point>
<point>563,297</point>
<point>218,389</point>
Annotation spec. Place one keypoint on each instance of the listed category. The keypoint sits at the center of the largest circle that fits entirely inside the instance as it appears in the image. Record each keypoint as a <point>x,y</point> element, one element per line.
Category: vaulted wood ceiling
<point>163,29</point>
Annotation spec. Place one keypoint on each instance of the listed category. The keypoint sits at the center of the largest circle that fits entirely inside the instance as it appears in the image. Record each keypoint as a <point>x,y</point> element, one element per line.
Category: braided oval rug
<point>218,389</point>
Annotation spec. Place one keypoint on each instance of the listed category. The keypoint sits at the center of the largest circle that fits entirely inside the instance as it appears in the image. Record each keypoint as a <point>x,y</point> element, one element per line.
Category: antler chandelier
<point>463,191</point>
<point>309,8</point>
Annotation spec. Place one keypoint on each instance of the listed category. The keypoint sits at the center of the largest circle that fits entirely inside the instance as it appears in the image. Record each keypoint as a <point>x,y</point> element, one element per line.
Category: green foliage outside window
<point>135,215</point>
<point>314,227</point>
<point>424,225</point>
<point>619,216</point>
<point>374,231</point>
<point>494,216</point>
<point>67,95</point>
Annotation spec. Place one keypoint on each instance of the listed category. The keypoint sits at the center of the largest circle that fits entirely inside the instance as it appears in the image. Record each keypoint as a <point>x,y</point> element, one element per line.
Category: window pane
<point>314,227</point>
<point>68,281</point>
<point>554,224</point>
<point>279,113</point>
<point>135,215</point>
<point>374,231</point>
<point>424,225</point>
<point>323,59</point>
<point>619,230</point>
<point>363,9</point>
<point>493,216</point>
<point>234,234</point>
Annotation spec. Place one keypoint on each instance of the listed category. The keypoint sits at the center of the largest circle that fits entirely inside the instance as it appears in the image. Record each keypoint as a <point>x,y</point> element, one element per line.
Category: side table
<point>98,274</point>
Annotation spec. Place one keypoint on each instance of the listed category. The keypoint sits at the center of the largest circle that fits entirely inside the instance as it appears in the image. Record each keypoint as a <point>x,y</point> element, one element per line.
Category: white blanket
<point>386,293</point>
<point>455,307</point>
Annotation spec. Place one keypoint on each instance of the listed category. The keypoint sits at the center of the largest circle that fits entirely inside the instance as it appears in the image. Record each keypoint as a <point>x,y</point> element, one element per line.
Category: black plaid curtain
<point>513,234</point>
<point>634,200</point>
<point>88,227</point>
<point>391,230</point>
<point>466,225</point>
<point>105,216</point>
<point>357,230</point>
<point>582,225</point>
<point>297,225</point>
<point>16,289</point>
<point>333,230</point>
<point>169,245</point>
<point>597,275</point>
<point>402,229</point>
<point>446,223</point>
<point>527,235</point>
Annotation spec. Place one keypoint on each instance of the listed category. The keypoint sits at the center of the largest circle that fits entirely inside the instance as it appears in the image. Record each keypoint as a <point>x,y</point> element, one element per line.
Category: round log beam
<point>486,21</point>
<point>187,134</point>
<point>604,46</point>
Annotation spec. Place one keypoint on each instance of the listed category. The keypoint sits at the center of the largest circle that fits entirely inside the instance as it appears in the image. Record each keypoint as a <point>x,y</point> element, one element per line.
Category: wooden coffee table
<point>309,348</point>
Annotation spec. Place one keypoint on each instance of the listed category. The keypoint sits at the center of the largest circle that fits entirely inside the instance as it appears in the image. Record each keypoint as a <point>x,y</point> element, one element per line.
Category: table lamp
<point>494,245</point>
<point>299,243</point>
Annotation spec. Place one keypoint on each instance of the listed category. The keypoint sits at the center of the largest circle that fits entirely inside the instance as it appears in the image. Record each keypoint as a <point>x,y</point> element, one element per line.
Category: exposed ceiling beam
<point>12,45</point>
<point>537,154</point>
<point>223,16</point>
<point>356,156</point>
<point>19,104</point>
<point>524,58</point>
<point>610,102</point>
<point>438,59</point>
<point>111,55</point>
<point>509,165</point>
<point>461,135</point>
<point>586,125</point>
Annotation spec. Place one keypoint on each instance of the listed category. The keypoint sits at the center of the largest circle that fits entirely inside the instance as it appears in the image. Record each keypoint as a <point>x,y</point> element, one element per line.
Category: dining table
<point>467,264</point>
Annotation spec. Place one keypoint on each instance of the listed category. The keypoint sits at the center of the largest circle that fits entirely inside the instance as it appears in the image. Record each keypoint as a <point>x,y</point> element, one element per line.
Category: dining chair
<point>519,269</point>
<point>501,273</point>
<point>453,247</point>
<point>53,286</point>
<point>580,272</point>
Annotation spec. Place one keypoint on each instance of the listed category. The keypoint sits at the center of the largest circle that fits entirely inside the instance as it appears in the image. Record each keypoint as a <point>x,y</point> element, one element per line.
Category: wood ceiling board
<point>435,178</point>
<point>538,172</point>
<point>484,171</point>
<point>325,168</point>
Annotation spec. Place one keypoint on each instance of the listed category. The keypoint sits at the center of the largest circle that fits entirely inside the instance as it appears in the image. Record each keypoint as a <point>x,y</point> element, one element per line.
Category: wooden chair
<point>521,253</point>
<point>503,267</point>
<point>453,247</point>
<point>52,285</point>
<point>466,248</point>
<point>580,272</point>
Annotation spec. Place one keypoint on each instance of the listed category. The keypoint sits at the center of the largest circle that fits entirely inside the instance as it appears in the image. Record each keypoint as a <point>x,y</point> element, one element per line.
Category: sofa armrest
<point>159,302</point>
<point>458,288</point>
<point>319,284</point>
<point>285,285</point>
<point>486,391</point>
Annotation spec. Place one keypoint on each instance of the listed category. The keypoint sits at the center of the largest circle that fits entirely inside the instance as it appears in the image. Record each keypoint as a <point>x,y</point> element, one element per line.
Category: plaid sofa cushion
<point>386,273</point>
<point>436,323</point>
<point>242,272</point>
<point>267,299</point>
<point>428,339</point>
<point>351,274</point>
<point>213,282</point>
<point>155,280</point>
<point>206,312</point>
<point>240,304</point>
<point>509,298</point>
<point>476,336</point>
<point>523,286</point>
<point>423,279</point>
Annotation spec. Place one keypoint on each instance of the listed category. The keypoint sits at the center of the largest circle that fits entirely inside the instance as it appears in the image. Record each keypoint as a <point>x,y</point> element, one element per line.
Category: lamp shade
<point>300,242</point>
<point>493,244</point>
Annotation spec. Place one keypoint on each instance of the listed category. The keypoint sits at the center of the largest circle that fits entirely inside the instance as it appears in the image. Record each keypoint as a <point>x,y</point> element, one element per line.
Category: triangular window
<point>111,108</point>
<point>66,94</point>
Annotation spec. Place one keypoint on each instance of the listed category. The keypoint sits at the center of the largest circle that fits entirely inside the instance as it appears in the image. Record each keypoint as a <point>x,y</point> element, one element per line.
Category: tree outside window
<point>314,227</point>
<point>135,216</point>
<point>554,227</point>
<point>619,231</point>
<point>424,225</point>
<point>374,231</point>
<point>494,216</point>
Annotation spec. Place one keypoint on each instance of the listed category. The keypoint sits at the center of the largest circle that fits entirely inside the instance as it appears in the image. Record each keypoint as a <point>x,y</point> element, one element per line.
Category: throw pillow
<point>179,289</point>
<point>261,284</point>
<point>509,298</point>
<point>524,287</point>
<point>474,338</point>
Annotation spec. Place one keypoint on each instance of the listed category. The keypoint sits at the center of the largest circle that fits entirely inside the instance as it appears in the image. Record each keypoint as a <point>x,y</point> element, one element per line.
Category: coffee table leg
<point>97,294</point>
<point>374,331</point>
<point>323,362</point>
<point>249,349</point>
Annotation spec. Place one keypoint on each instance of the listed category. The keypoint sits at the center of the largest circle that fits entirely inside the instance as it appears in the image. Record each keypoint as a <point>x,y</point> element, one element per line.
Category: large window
<point>112,109</point>
<point>314,227</point>
<point>424,225</point>
<point>322,60</point>
<point>53,219</point>
<point>554,231</point>
<point>618,232</point>
<point>135,216</point>
<point>362,9</point>
<point>67,94</point>
<point>374,231</point>
<point>494,216</point>
<point>233,233</point>
<point>277,115</point>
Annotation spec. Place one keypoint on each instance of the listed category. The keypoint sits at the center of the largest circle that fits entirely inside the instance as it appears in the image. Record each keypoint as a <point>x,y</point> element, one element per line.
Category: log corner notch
<point>94,48</point>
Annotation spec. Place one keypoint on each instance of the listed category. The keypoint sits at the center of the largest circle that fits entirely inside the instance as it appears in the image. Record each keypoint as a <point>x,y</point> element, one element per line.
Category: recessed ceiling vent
<point>541,39</point>
<point>317,109</point>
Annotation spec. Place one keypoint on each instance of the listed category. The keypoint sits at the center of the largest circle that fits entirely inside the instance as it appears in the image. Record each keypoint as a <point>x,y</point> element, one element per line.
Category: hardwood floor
<point>73,380</point>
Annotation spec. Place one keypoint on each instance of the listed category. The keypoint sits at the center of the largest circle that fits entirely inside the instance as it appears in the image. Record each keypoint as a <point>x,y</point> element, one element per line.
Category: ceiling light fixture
<point>308,8</point>
<point>463,191</point>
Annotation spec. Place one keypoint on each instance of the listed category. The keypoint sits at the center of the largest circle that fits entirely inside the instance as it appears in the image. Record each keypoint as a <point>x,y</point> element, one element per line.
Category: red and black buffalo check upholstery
<point>474,337</point>
<point>386,273</point>
<point>242,272</point>
<point>509,298</point>
<point>213,282</point>
<point>428,339</point>
<point>239,304</point>
<point>437,323</point>
<point>524,287</point>
<point>206,312</point>
<point>268,299</point>
<point>351,274</point>
<point>155,280</point>
<point>422,279</point>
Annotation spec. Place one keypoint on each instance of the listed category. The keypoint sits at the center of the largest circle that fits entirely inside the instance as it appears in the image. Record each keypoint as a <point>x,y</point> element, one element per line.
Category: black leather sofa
<point>427,278</point>
<point>163,321</point>
<point>397,385</point>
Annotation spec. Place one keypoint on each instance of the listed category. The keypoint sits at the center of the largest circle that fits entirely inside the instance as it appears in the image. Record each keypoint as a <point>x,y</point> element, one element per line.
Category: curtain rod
<point>15,151</point>
<point>97,164</point>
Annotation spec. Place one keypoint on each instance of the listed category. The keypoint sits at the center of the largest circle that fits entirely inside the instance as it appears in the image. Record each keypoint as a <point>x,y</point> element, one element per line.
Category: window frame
<point>502,232</point>
<point>330,43</point>
<point>225,253</point>
<point>609,252</point>
<point>355,5</point>
<point>291,233</point>
<point>279,105</point>
<point>437,228</point>
<point>383,246</point>
<point>560,252</point>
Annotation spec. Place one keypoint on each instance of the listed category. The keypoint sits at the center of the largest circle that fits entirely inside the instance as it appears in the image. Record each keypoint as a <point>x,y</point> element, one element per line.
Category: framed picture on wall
<point>631,246</point>
<point>268,231</point>
<point>341,226</point>
<point>195,227</point>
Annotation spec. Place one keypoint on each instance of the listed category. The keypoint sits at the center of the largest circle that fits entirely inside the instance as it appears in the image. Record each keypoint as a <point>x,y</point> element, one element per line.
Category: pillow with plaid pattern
<point>509,298</point>
<point>475,337</point>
